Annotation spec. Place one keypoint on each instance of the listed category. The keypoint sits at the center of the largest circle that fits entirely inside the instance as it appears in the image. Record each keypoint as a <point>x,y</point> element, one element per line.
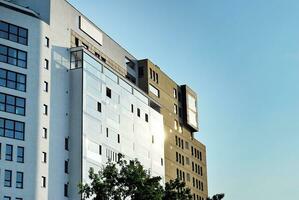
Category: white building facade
<point>64,109</point>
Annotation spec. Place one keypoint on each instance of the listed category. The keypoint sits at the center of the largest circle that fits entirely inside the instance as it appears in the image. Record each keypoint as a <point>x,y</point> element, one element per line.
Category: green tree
<point>123,179</point>
<point>175,189</point>
<point>216,197</point>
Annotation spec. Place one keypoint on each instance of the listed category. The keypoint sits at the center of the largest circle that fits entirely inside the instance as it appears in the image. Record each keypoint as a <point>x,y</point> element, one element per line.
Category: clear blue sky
<point>242,57</point>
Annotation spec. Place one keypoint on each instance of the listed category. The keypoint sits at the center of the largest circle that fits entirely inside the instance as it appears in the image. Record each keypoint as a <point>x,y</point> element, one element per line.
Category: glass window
<point>12,80</point>
<point>13,33</point>
<point>7,178</point>
<point>20,154</point>
<point>8,152</point>
<point>7,198</point>
<point>13,56</point>
<point>12,104</point>
<point>12,129</point>
<point>19,179</point>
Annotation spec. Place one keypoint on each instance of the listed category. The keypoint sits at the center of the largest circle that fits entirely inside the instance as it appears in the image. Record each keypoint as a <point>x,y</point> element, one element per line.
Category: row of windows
<point>180,143</point>
<point>197,197</point>
<point>9,153</point>
<point>154,76</point>
<point>12,80</point>
<point>12,104</point>
<point>197,169</point>
<point>180,158</point>
<point>19,177</point>
<point>197,184</point>
<point>12,129</point>
<point>13,56</point>
<point>13,33</point>
<point>196,153</point>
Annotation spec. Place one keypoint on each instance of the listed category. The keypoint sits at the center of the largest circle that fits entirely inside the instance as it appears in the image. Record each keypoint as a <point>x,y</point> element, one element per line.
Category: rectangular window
<point>146,117</point>
<point>7,198</point>
<point>47,42</point>
<point>107,132</point>
<point>19,198</point>
<point>44,157</point>
<point>138,112</point>
<point>174,93</point>
<point>66,190</point>
<point>100,149</point>
<point>175,125</point>
<point>45,109</point>
<point>20,154</point>
<point>108,92</point>
<point>175,109</point>
<point>132,108</point>
<point>66,166</point>
<point>13,56</point>
<point>76,41</point>
<point>153,139</point>
<point>12,129</point>
<point>151,73</point>
<point>9,152</point>
<point>46,64</point>
<point>12,80</point>
<point>154,90</point>
<point>118,138</point>
<point>45,86</point>
<point>13,33</point>
<point>44,184</point>
<point>45,133</point>
<point>12,104</point>
<point>157,78</point>
<point>66,144</point>
<point>99,107</point>
<point>162,162</point>
<point>7,178</point>
<point>19,180</point>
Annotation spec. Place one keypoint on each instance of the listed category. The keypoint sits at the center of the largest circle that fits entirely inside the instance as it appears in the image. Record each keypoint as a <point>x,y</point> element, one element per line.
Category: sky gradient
<point>242,58</point>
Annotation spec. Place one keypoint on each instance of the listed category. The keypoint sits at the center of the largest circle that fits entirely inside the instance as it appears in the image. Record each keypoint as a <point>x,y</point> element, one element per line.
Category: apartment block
<point>72,98</point>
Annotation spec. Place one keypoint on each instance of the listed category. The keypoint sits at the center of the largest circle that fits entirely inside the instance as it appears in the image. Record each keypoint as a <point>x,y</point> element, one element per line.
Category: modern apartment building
<point>71,98</point>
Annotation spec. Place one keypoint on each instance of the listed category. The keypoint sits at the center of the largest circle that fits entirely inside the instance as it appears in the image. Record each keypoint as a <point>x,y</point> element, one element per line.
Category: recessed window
<point>175,109</point>
<point>108,92</point>
<point>20,154</point>
<point>175,125</point>
<point>118,138</point>
<point>44,157</point>
<point>138,112</point>
<point>19,180</point>
<point>100,149</point>
<point>99,107</point>
<point>46,64</point>
<point>162,161</point>
<point>76,41</point>
<point>45,133</point>
<point>132,108</point>
<point>45,86</point>
<point>45,109</point>
<point>146,117</point>
<point>7,198</point>
<point>107,132</point>
<point>7,178</point>
<point>44,181</point>
<point>66,190</point>
<point>9,152</point>
<point>157,78</point>
<point>174,93</point>
<point>66,144</point>
<point>66,166</point>
<point>47,42</point>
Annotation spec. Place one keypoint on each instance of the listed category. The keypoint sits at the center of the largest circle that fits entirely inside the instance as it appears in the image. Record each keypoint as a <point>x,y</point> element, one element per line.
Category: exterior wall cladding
<point>71,98</point>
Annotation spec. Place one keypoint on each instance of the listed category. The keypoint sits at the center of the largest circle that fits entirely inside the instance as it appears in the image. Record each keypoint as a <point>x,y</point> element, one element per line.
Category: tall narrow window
<point>76,41</point>
<point>20,154</point>
<point>132,108</point>
<point>138,112</point>
<point>66,190</point>
<point>7,178</point>
<point>107,132</point>
<point>45,109</point>
<point>19,180</point>
<point>146,117</point>
<point>99,107</point>
<point>108,92</point>
<point>175,109</point>
<point>46,64</point>
<point>153,139</point>
<point>66,166</point>
<point>66,144</point>
<point>45,133</point>
<point>44,181</point>
<point>45,86</point>
<point>47,42</point>
<point>9,152</point>
<point>44,157</point>
<point>174,93</point>
<point>100,149</point>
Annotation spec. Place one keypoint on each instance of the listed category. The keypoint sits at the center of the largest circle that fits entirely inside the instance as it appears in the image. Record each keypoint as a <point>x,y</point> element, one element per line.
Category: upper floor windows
<point>20,154</point>
<point>7,178</point>
<point>13,33</point>
<point>154,76</point>
<point>19,180</point>
<point>154,90</point>
<point>108,92</point>
<point>8,152</point>
<point>12,129</point>
<point>174,93</point>
<point>47,42</point>
<point>12,80</point>
<point>12,104</point>
<point>13,56</point>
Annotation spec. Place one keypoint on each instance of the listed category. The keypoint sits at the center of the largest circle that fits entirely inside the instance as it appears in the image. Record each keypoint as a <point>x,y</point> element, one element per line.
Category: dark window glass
<point>12,80</point>
<point>13,33</point>
<point>7,178</point>
<point>20,154</point>
<point>8,152</point>
<point>108,92</point>
<point>13,56</point>
<point>12,129</point>
<point>19,179</point>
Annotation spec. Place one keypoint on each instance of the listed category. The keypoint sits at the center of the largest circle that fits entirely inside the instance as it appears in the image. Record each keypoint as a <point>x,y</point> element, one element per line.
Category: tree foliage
<point>129,180</point>
<point>216,197</point>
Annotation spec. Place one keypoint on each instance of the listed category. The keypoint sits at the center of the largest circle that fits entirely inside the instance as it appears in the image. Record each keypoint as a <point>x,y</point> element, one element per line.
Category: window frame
<point>17,35</point>
<point>16,58</point>
<point>5,80</point>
